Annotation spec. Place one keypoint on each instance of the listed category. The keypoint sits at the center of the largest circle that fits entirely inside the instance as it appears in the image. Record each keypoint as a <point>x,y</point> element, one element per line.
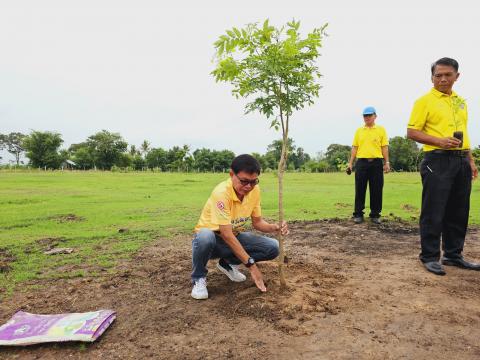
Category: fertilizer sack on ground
<point>27,329</point>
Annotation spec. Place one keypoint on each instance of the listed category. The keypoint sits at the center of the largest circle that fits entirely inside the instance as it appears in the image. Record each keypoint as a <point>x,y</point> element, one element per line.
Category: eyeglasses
<point>246,182</point>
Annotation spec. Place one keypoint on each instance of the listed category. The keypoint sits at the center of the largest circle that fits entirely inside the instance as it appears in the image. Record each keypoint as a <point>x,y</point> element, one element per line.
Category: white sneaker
<point>199,290</point>
<point>233,274</point>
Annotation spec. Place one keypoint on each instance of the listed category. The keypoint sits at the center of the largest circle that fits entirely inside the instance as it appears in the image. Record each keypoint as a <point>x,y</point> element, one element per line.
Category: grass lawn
<point>85,210</point>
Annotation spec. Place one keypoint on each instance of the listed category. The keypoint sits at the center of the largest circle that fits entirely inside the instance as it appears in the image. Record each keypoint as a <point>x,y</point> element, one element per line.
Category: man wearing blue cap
<point>370,148</point>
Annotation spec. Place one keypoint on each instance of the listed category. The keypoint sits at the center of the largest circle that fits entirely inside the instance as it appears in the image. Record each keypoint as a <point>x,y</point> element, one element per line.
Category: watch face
<point>251,261</point>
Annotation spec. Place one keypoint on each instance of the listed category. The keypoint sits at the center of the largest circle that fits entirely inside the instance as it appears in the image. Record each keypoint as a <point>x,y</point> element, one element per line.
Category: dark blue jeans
<point>207,245</point>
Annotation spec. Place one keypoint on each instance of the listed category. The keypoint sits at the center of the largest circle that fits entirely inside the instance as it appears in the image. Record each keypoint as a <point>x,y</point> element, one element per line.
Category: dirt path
<point>355,292</point>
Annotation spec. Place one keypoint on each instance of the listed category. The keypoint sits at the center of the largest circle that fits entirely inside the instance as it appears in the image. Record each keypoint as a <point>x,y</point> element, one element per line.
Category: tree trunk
<point>281,171</point>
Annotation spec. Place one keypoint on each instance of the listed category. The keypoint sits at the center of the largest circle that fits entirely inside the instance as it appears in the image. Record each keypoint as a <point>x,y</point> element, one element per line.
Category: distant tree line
<point>109,151</point>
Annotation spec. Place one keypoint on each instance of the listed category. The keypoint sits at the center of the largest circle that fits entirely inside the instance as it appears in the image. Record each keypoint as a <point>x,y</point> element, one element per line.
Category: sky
<point>142,68</point>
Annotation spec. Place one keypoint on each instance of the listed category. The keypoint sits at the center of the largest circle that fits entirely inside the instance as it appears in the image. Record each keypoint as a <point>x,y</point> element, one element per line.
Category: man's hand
<point>386,167</point>
<point>349,169</point>
<point>474,169</point>
<point>283,230</point>
<point>257,277</point>
<point>448,142</point>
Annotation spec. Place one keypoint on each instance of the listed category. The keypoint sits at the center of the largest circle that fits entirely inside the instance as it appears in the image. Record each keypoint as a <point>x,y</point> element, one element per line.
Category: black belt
<point>461,153</point>
<point>370,159</point>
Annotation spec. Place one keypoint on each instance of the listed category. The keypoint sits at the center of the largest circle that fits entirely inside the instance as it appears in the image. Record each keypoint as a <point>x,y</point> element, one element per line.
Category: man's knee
<point>274,249</point>
<point>204,239</point>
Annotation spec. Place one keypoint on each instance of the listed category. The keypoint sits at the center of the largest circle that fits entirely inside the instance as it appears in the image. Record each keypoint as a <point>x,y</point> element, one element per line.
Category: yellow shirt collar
<point>232,190</point>
<point>373,127</point>
<point>440,94</point>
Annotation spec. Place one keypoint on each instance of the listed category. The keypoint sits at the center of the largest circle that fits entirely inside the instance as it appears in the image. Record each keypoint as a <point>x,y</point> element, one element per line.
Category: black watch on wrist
<point>250,262</point>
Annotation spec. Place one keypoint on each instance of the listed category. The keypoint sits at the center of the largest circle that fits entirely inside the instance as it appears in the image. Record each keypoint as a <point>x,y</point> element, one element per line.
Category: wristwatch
<point>250,262</point>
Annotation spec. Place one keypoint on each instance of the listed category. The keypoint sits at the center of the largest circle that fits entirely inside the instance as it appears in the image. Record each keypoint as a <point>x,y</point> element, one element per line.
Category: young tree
<point>276,70</point>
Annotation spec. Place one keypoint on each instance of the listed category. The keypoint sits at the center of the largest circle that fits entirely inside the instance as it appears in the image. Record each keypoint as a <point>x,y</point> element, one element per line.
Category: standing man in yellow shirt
<point>370,147</point>
<point>439,121</point>
<point>220,231</point>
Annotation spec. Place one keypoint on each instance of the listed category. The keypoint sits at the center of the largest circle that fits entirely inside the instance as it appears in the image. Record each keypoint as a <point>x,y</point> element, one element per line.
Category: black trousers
<point>368,172</point>
<point>447,184</point>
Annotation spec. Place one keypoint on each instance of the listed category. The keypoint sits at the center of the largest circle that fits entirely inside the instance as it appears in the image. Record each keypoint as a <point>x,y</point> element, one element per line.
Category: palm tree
<point>144,148</point>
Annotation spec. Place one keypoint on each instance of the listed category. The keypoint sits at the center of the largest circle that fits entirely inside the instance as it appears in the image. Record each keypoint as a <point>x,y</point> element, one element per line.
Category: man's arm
<point>260,224</point>
<point>231,240</point>
<point>386,165</point>
<point>353,155</point>
<point>472,165</point>
<point>421,137</point>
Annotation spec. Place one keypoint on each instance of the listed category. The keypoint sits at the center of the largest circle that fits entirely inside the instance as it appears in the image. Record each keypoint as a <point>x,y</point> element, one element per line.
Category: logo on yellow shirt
<point>220,205</point>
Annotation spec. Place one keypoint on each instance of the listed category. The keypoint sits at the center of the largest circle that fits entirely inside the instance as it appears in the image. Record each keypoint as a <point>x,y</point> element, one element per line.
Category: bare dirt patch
<point>67,218</point>
<point>6,259</point>
<point>410,208</point>
<point>47,244</point>
<point>355,292</point>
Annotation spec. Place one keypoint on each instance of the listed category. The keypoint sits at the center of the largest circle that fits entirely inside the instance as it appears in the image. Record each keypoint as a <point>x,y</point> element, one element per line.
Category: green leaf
<point>265,25</point>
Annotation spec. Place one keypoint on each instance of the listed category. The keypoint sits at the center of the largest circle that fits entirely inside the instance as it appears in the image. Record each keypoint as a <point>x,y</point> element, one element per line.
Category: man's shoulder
<point>426,98</point>
<point>222,190</point>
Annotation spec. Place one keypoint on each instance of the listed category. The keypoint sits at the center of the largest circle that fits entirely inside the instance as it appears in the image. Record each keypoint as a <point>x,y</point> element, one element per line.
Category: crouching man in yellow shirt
<point>220,230</point>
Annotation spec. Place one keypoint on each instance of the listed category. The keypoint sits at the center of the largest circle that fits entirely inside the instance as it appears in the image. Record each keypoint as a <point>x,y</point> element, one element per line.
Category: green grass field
<point>85,210</point>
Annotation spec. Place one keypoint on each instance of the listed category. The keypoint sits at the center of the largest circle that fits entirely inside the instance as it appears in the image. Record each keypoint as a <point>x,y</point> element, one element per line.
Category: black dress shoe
<point>461,263</point>
<point>434,267</point>
<point>358,219</point>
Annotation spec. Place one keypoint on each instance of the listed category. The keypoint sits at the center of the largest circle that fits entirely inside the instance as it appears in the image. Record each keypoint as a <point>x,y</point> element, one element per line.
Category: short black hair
<point>246,163</point>
<point>445,61</point>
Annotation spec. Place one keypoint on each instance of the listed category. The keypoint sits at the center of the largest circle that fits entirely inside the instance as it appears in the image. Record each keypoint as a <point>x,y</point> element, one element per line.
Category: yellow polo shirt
<point>223,208</point>
<point>439,115</point>
<point>369,141</point>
